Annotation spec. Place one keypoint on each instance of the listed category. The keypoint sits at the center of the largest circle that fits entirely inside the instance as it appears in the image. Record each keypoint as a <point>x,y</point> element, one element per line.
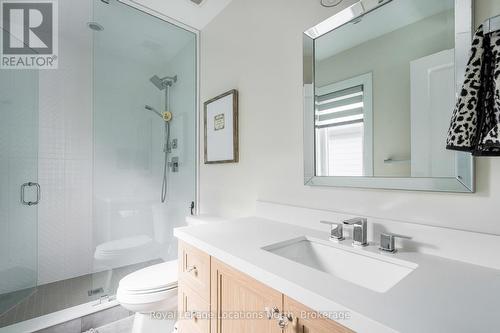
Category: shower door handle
<point>38,194</point>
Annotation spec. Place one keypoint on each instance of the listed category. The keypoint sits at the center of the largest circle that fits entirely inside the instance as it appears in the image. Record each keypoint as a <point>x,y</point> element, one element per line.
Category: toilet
<point>151,292</point>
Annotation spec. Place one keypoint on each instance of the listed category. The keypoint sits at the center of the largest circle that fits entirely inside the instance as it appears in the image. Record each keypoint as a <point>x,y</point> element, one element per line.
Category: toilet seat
<point>153,289</point>
<point>125,251</point>
<point>151,279</point>
<point>122,247</point>
<point>150,288</point>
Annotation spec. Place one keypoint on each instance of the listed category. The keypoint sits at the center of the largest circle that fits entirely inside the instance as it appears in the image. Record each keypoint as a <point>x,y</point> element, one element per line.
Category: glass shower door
<point>132,226</point>
<point>19,189</point>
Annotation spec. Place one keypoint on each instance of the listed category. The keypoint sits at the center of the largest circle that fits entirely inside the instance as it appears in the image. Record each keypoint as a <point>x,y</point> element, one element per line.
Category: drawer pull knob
<point>271,312</point>
<point>284,320</point>
<point>192,269</point>
<point>281,318</point>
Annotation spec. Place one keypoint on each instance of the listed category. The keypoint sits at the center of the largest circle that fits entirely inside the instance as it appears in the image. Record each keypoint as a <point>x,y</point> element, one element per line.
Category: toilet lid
<point>151,279</point>
<point>123,244</point>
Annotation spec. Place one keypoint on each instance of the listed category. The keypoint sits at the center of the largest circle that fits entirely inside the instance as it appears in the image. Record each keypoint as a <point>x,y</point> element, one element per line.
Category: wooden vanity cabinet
<point>304,320</point>
<point>238,303</point>
<point>194,290</point>
<point>194,270</point>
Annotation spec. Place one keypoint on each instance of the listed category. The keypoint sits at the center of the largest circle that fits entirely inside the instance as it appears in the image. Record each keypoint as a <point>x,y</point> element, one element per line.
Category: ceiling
<point>187,12</point>
<point>129,34</point>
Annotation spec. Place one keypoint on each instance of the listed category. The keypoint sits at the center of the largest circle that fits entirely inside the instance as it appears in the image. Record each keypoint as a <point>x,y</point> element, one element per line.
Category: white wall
<point>187,12</point>
<point>256,47</point>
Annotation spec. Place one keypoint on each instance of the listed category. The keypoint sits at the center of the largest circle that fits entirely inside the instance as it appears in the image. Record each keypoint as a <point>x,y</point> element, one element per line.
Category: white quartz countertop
<point>440,295</point>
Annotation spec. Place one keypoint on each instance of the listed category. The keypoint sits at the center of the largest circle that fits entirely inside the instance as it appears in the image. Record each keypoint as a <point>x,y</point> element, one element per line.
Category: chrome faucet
<point>359,230</point>
<point>336,231</point>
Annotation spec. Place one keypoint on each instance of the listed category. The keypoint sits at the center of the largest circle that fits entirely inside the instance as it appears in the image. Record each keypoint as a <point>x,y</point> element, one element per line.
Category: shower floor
<point>62,294</point>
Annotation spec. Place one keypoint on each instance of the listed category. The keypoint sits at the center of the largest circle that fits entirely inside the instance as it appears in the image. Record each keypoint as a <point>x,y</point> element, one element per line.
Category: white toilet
<point>153,290</point>
<point>148,291</point>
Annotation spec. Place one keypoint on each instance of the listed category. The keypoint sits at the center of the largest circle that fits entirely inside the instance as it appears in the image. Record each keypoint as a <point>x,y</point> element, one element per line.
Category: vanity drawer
<point>194,270</point>
<point>305,320</point>
<point>194,312</point>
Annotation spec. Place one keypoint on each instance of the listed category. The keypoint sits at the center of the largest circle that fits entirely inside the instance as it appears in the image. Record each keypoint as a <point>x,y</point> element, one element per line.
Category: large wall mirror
<point>380,83</point>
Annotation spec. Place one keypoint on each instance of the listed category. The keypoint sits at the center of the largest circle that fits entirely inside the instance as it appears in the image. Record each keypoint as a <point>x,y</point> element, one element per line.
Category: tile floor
<point>113,320</point>
<point>119,326</point>
<point>60,295</point>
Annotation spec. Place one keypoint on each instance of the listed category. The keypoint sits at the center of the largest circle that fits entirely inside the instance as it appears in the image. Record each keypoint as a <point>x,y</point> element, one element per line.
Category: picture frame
<point>221,129</point>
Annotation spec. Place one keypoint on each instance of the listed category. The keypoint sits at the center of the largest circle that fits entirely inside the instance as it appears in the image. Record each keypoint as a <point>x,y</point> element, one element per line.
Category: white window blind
<point>340,132</point>
<point>340,107</point>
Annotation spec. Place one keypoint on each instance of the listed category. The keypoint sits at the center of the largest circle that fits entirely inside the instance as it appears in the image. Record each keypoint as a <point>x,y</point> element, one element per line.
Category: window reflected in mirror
<point>343,126</point>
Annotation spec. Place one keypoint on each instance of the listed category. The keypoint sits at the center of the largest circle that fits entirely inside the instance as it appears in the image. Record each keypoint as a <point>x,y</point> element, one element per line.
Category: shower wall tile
<point>4,249</point>
<point>18,153</point>
<point>4,195</point>
<point>65,150</point>
<point>51,143</point>
<point>51,224</point>
<point>22,219</point>
<point>78,217</point>
<point>78,143</point>
<point>65,219</point>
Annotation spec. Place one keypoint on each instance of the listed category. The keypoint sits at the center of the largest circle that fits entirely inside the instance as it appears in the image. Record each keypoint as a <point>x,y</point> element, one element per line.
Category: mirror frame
<point>463,181</point>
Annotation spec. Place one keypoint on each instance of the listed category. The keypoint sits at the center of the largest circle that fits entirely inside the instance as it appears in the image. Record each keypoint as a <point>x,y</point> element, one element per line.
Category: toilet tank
<point>192,220</point>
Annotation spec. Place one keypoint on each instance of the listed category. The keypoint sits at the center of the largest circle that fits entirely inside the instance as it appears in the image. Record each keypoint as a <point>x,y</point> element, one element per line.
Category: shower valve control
<point>174,164</point>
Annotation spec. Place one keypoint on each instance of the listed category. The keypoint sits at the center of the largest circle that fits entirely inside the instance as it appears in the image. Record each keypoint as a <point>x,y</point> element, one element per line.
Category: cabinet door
<point>239,302</point>
<point>194,269</point>
<point>194,310</point>
<point>304,320</point>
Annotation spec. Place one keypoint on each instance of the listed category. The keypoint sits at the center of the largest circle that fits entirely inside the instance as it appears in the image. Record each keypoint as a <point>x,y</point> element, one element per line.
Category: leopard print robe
<point>476,119</point>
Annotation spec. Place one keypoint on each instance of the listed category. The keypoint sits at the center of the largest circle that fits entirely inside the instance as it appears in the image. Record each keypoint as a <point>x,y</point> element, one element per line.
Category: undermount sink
<point>366,269</point>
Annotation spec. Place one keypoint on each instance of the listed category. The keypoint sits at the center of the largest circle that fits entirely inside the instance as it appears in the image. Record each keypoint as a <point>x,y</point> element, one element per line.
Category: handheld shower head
<point>150,108</point>
<point>166,116</point>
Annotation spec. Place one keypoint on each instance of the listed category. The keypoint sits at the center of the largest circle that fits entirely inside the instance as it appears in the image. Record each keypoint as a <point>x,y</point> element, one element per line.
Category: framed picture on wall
<point>221,128</point>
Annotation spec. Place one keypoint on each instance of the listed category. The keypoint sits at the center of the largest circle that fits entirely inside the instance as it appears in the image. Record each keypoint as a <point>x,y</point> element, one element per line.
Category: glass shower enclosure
<point>97,158</point>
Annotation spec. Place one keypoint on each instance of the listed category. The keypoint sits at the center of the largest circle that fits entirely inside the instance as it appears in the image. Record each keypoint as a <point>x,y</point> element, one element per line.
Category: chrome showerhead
<point>162,83</point>
<point>330,3</point>
<point>159,83</point>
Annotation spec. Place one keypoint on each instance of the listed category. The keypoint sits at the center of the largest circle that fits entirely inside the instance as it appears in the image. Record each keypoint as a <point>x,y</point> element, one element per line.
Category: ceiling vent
<point>198,2</point>
<point>330,3</point>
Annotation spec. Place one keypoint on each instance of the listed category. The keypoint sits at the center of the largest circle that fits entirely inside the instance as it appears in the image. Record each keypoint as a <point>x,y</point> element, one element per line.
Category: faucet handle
<point>387,241</point>
<point>336,232</point>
